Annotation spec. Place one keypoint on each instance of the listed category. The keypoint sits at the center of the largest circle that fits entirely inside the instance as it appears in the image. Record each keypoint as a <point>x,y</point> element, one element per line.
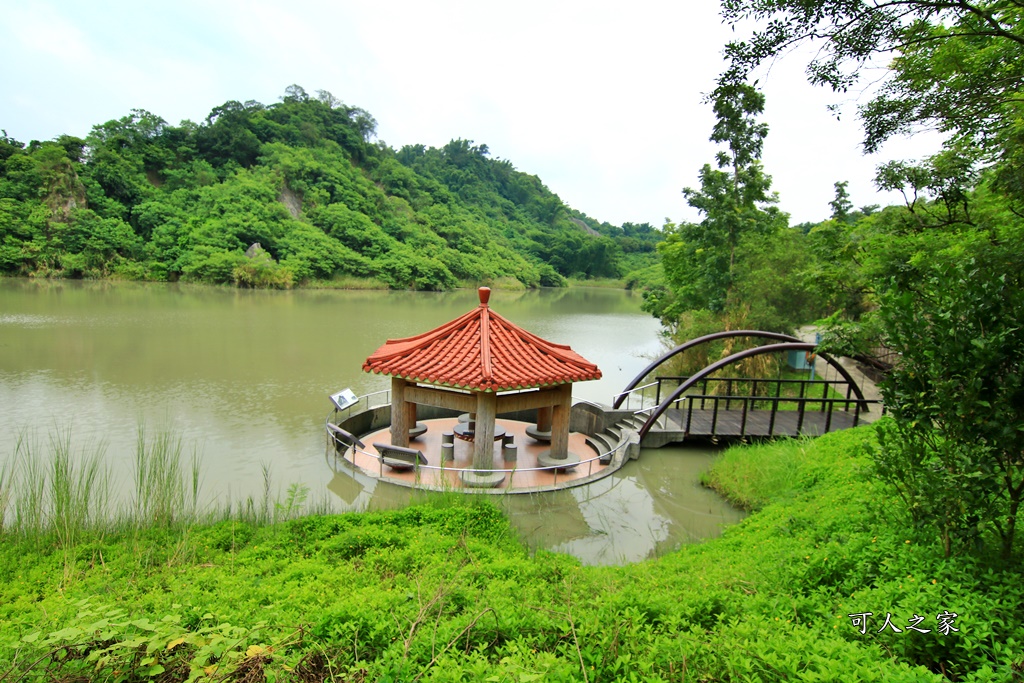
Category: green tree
<point>227,136</point>
<point>955,450</point>
<point>956,66</point>
<point>91,245</point>
<point>841,205</point>
<point>770,283</point>
<point>700,258</point>
<point>943,276</point>
<point>9,146</point>
<point>944,269</point>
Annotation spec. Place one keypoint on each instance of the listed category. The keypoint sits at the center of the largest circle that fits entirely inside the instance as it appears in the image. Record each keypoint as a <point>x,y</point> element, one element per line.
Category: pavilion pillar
<point>483,436</point>
<point>560,423</point>
<point>483,473</point>
<point>401,412</point>
<point>544,419</point>
<point>559,456</point>
<point>542,430</point>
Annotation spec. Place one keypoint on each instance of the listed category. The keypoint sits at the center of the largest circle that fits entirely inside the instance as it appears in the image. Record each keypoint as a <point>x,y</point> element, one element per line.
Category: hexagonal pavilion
<point>482,363</point>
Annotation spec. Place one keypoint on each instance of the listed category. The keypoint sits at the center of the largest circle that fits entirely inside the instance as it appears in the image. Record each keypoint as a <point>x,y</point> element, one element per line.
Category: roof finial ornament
<point>485,295</point>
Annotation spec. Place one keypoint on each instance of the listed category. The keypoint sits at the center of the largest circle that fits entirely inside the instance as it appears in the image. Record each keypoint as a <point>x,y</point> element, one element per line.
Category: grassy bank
<point>445,592</point>
<point>603,282</point>
<point>352,282</point>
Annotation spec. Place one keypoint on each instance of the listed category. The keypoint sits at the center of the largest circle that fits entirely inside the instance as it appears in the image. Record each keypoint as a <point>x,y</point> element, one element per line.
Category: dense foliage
<point>933,285</point>
<point>445,593</point>
<point>141,199</point>
<point>953,65</point>
<point>937,281</point>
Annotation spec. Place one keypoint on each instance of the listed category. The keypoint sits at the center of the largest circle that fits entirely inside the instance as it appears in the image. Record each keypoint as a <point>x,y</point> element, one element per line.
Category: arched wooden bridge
<point>704,405</point>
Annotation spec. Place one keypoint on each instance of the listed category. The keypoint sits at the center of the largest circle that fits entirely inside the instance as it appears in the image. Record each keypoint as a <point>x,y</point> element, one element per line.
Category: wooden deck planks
<point>730,423</point>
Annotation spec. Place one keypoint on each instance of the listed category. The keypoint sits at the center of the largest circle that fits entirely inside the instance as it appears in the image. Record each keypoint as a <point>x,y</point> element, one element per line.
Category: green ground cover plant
<point>444,591</point>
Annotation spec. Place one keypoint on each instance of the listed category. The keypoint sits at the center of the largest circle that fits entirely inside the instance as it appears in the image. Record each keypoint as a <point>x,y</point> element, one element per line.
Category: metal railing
<point>763,388</point>
<point>441,471</point>
<point>747,405</point>
<point>637,391</point>
<point>365,401</point>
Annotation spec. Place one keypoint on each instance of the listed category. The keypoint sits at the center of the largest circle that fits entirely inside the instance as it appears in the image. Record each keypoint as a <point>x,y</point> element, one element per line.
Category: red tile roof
<point>481,350</point>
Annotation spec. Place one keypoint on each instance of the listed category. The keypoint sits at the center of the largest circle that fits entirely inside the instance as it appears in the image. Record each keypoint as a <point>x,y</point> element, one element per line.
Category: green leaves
<point>956,322</point>
<point>957,67</point>
<point>145,200</point>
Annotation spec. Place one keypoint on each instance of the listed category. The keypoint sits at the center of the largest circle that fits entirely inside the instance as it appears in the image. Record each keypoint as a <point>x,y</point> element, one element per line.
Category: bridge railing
<point>734,388</point>
<point>718,404</point>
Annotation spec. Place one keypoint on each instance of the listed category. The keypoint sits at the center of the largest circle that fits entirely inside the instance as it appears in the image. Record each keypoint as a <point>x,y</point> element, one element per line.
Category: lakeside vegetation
<point>443,591</point>
<point>935,285</point>
<point>305,179</point>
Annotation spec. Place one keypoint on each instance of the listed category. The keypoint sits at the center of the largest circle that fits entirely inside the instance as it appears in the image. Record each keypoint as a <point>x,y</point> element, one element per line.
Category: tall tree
<point>841,205</point>
<point>735,198</point>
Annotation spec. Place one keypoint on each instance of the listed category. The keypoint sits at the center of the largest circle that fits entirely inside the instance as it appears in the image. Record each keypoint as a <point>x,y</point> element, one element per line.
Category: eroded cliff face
<point>584,227</point>
<point>64,190</point>
<point>291,201</point>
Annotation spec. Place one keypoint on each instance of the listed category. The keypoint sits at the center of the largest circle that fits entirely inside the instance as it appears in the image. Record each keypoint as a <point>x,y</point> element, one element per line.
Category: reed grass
<point>346,282</point>
<point>28,484</point>
<point>50,492</point>
<point>53,492</point>
<point>166,487</point>
<point>6,474</point>
<point>601,282</point>
<point>78,490</point>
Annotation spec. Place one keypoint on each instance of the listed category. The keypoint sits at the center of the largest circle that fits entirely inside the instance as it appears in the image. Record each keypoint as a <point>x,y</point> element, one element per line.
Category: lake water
<point>243,376</point>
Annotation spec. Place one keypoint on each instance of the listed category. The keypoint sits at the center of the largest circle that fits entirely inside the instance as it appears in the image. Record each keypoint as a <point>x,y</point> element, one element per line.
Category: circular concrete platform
<point>571,460</point>
<point>482,480</point>
<point>526,473</point>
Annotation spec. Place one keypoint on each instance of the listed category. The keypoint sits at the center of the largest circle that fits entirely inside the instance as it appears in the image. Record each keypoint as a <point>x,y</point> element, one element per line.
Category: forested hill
<point>141,199</point>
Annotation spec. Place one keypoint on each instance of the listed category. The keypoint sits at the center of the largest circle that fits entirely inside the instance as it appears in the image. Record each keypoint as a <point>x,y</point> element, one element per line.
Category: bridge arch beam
<point>697,342</point>
<point>738,356</point>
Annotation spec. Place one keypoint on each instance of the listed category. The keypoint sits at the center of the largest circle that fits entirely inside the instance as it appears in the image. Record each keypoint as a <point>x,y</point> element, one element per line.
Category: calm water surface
<point>244,377</point>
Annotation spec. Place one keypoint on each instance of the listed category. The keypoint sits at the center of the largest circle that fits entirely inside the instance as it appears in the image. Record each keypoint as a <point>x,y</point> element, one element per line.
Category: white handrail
<point>633,392</point>
<point>641,388</point>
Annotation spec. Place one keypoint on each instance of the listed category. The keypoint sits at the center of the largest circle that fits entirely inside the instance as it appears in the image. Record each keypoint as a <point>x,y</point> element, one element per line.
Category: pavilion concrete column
<point>403,413</point>
<point>542,430</point>
<point>484,474</point>
<point>483,437</point>
<point>560,422</point>
<point>559,454</point>
<point>544,419</point>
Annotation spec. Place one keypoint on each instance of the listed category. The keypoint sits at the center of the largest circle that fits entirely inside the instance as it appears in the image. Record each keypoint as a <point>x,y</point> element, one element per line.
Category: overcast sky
<point>602,100</point>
